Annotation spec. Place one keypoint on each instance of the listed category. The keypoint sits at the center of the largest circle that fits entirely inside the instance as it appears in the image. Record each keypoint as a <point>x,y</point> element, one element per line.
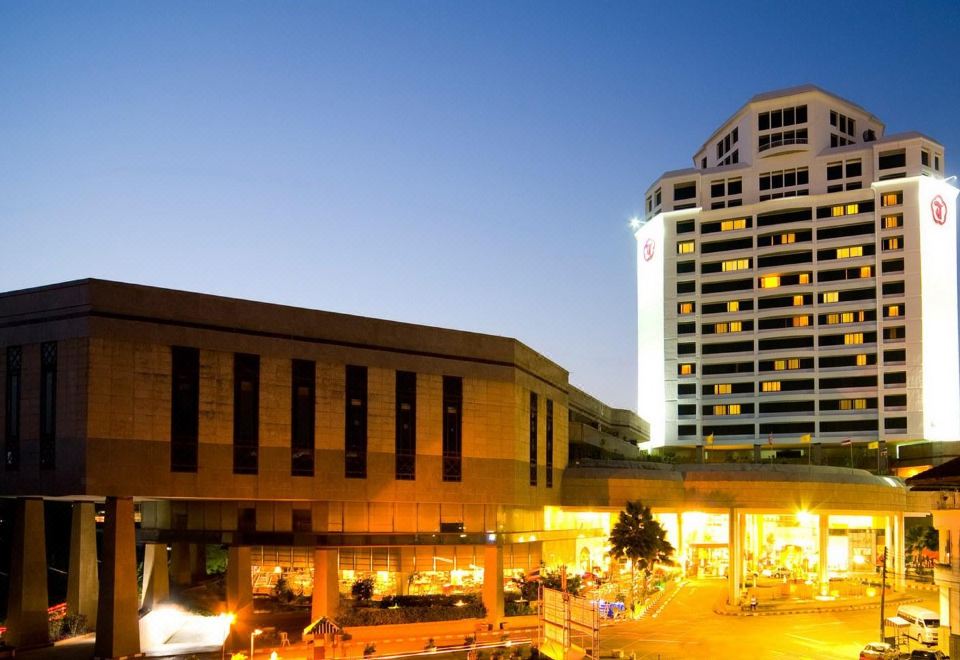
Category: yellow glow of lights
<point>807,519</point>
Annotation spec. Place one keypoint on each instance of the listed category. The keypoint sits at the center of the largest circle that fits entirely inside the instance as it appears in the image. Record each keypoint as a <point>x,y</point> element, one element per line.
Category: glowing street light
<point>227,619</point>
<point>256,633</point>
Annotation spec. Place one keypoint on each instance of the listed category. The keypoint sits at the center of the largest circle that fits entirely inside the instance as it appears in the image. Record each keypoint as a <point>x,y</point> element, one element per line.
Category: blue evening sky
<point>468,165</point>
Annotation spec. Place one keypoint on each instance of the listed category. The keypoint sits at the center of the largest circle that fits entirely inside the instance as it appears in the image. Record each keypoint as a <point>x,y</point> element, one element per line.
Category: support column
<point>198,562</point>
<point>27,598</point>
<point>699,456</point>
<point>493,581</point>
<point>156,577</point>
<point>757,458</point>
<point>823,575</point>
<point>180,564</point>
<point>900,564</point>
<point>734,546</point>
<point>118,627</point>
<point>681,556</point>
<point>239,589</point>
<point>83,585</point>
<point>326,592</point>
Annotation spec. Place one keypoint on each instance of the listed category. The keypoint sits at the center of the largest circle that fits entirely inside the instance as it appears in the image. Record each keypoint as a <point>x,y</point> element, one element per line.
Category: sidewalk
<point>796,606</point>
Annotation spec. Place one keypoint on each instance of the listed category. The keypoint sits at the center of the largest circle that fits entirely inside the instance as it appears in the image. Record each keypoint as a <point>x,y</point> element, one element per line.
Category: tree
<point>362,589</point>
<point>919,539</point>
<point>642,540</point>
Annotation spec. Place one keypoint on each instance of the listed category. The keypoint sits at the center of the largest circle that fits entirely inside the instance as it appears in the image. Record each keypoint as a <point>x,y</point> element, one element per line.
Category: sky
<point>465,165</point>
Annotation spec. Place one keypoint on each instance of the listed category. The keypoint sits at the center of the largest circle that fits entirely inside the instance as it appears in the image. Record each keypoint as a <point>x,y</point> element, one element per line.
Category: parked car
<point>879,651</point>
<point>928,654</point>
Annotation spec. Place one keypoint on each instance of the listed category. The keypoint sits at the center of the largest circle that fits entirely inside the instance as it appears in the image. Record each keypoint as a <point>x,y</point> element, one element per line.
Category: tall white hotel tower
<point>800,283</point>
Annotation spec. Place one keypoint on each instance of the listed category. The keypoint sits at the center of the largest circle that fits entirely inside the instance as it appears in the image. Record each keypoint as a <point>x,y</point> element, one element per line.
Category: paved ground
<point>683,624</point>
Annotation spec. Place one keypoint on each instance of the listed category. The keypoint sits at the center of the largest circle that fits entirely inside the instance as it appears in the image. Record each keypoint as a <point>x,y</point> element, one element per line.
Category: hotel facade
<point>798,284</point>
<point>328,448</point>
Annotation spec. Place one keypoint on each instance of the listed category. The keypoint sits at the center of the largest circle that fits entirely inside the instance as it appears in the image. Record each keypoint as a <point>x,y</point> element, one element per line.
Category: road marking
<point>806,639</point>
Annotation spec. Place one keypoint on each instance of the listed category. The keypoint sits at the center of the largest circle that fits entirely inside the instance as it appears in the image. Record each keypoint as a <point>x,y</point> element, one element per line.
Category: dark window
<point>895,424</point>
<point>834,171</point>
<point>355,428</point>
<point>729,429</point>
<point>722,307</point>
<point>728,368</point>
<point>728,285</point>
<point>783,217</point>
<point>847,381</point>
<point>774,302</point>
<point>686,328</point>
<point>452,424</point>
<point>703,163</point>
<point>893,266</point>
<point>784,259</point>
<point>686,287</point>
<point>763,121</point>
<point>892,159</point>
<point>686,226</point>
<point>835,188</point>
<point>832,361</point>
<point>533,438</point>
<point>686,266</point>
<point>785,342</point>
<point>686,348</point>
<point>844,230</point>
<point>687,409</point>
<point>786,406</point>
<point>744,243</point>
<point>406,426</point>
<point>734,187</point>
<point>895,378</point>
<point>895,401</point>
<point>786,427</point>
<point>892,288</point>
<point>48,404</point>
<point>12,408</point>
<point>898,355</point>
<point>727,347</point>
<point>684,191</point>
<point>302,520</point>
<point>854,168</point>
<point>246,413</point>
<point>184,408</point>
<point>303,406</point>
<point>844,425</point>
<point>687,429</point>
<point>247,519</point>
<point>687,389</point>
<point>549,441</point>
<point>718,189</point>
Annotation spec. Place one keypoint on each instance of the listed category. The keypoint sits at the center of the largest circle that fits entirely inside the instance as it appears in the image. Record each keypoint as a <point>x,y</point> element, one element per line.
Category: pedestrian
<point>753,603</point>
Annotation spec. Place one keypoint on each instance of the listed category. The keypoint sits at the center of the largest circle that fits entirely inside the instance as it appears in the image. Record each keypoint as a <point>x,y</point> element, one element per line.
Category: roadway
<point>687,627</point>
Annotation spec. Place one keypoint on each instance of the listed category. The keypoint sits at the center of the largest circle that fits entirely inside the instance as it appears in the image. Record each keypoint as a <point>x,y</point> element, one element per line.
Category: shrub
<point>362,589</point>
<point>369,649</point>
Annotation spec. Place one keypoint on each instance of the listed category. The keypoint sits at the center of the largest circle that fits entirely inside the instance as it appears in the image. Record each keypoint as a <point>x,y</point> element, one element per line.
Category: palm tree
<point>642,540</point>
<point>919,539</point>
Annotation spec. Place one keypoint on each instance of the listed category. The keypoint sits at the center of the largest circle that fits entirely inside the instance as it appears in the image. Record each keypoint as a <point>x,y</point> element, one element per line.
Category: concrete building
<point>333,447</point>
<point>798,283</point>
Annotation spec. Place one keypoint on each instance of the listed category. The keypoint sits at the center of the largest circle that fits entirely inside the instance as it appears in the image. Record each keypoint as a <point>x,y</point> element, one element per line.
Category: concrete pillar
<point>156,577</point>
<point>83,584</point>
<point>699,456</point>
<point>817,454</point>
<point>27,598</point>
<point>118,625</point>
<point>239,587</point>
<point>681,551</point>
<point>326,591</point>
<point>734,546</point>
<point>180,568</point>
<point>954,650</point>
<point>198,562</point>
<point>900,565</point>
<point>756,454</point>
<point>823,534</point>
<point>493,581</point>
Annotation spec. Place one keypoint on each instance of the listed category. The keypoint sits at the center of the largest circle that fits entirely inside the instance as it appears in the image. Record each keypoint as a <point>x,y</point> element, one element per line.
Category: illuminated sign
<point>938,209</point>
<point>649,249</point>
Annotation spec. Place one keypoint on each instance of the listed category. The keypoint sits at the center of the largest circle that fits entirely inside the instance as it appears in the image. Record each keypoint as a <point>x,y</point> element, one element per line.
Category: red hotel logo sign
<point>938,209</point>
<point>648,249</point>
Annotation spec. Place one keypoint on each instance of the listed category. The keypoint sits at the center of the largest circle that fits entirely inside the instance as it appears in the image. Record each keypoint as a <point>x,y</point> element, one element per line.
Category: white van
<point>924,623</point>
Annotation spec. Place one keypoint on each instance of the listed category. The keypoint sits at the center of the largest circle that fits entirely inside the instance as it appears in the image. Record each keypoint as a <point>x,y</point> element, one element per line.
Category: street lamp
<point>256,633</point>
<point>227,619</point>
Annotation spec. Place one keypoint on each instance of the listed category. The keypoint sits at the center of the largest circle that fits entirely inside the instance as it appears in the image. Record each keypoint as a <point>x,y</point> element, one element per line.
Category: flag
<point>805,437</point>
<point>770,439</point>
<point>709,439</point>
<point>846,442</point>
<point>873,445</point>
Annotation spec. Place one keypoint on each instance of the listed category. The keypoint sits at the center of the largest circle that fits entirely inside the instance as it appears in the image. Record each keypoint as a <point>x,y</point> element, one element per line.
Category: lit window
<point>893,243</point>
<point>892,221</point>
<point>891,199</point>
<point>861,360</point>
<point>686,369</point>
<point>735,264</point>
<point>787,363</point>
<point>719,410</point>
<point>736,326</point>
<point>685,247</point>
<point>722,388</point>
<point>852,209</point>
<point>685,308</point>
<point>853,404</point>
<point>853,338</point>
<point>893,310</point>
<point>866,271</point>
<point>833,319</point>
<point>720,328</point>
<point>733,306</point>
<point>797,301</point>
<point>804,278</point>
<point>836,211</point>
<point>801,321</point>
<point>779,365</point>
<point>734,409</point>
<point>730,225</point>
<point>769,282</point>
<point>830,296</point>
<point>852,251</point>
<point>788,238</point>
<point>770,386</point>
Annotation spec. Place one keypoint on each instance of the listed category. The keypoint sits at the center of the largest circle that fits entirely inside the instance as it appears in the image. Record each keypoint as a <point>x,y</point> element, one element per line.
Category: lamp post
<point>228,619</point>
<point>256,633</point>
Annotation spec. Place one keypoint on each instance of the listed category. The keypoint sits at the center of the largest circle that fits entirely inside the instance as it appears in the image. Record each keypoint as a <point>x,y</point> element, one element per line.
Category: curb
<point>812,610</point>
